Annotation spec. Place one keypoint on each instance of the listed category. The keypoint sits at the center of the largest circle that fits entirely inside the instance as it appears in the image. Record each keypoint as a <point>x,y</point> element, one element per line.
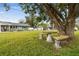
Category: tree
<point>36,14</point>
<point>21,21</point>
<point>43,25</point>
<point>6,6</point>
<point>63,15</point>
<point>65,24</point>
<point>30,21</point>
<point>33,22</point>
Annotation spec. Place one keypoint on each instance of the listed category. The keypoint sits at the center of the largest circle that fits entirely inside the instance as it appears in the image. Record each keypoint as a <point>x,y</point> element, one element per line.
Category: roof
<point>14,24</point>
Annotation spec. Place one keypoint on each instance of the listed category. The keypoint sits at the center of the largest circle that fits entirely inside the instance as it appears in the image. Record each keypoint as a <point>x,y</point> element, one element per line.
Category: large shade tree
<point>62,15</point>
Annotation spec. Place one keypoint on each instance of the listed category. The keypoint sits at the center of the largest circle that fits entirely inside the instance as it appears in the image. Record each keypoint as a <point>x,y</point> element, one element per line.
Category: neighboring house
<point>9,26</point>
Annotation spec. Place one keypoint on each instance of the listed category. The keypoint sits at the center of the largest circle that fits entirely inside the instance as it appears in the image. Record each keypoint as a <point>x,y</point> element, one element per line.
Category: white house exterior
<point>9,26</point>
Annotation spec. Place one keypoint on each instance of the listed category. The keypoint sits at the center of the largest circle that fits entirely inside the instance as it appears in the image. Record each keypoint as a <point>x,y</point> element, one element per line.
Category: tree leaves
<point>6,7</point>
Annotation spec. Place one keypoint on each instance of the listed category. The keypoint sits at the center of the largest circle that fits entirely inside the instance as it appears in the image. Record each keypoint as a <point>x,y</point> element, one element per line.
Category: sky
<point>15,14</point>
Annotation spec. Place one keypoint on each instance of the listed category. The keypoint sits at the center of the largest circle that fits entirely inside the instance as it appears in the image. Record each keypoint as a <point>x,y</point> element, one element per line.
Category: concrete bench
<point>59,39</point>
<point>42,36</point>
<point>47,35</point>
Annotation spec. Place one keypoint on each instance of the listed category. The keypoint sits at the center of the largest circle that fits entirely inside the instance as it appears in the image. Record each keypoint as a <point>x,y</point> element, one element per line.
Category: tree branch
<point>72,12</point>
<point>54,15</point>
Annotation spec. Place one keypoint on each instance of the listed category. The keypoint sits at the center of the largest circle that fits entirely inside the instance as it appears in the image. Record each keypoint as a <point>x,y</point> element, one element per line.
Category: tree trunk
<point>68,29</point>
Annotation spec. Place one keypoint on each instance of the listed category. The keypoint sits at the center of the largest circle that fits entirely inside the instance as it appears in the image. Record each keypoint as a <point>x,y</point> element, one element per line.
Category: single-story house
<point>9,26</point>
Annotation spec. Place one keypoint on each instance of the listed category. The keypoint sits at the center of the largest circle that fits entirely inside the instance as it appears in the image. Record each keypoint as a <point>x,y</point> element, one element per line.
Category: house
<point>9,26</point>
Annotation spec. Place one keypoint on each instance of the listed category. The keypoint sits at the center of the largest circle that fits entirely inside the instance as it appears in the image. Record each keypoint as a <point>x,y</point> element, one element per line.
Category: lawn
<point>28,44</point>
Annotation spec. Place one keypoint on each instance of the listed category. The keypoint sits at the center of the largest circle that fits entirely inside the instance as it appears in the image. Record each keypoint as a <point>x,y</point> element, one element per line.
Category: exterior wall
<point>0,28</point>
<point>8,26</point>
<point>11,28</point>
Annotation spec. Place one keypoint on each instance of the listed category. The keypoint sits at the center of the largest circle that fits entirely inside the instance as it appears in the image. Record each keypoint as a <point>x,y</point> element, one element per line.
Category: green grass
<point>28,44</point>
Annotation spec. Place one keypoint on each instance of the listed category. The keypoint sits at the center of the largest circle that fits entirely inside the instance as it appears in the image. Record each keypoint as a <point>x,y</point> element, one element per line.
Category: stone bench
<point>42,36</point>
<point>47,35</point>
<point>59,39</point>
